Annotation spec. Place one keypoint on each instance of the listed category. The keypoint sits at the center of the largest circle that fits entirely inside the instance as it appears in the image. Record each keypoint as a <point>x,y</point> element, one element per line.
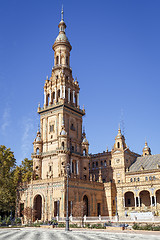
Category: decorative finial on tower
<point>62,13</point>
<point>83,129</point>
<point>119,129</point>
<point>47,77</point>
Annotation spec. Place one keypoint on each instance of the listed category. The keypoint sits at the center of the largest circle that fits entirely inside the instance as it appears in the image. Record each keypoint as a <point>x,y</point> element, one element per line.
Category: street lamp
<point>67,215</point>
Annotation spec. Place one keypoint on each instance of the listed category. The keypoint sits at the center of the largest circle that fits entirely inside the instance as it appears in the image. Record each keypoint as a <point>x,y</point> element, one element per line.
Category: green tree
<point>23,173</point>
<point>7,186</point>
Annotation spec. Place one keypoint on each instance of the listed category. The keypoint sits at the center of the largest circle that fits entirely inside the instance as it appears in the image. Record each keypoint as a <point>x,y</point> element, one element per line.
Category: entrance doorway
<point>38,207</point>
<point>85,200</point>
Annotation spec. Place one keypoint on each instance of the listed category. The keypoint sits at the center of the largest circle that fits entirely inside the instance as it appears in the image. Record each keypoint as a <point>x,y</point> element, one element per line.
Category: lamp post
<point>67,214</point>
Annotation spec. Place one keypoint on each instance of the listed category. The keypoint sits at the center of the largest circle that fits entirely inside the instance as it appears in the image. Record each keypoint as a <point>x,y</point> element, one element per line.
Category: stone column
<point>155,200</point>
<point>64,93</point>
<point>77,167</point>
<point>44,97</point>
<point>50,96</point>
<point>73,96</point>
<point>151,201</point>
<point>135,201</point>
<point>69,95</point>
<point>55,89</point>
<point>77,99</point>
<point>124,202</point>
<point>139,204</point>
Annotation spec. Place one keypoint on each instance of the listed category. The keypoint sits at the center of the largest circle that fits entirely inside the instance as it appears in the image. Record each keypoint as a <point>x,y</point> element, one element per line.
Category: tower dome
<point>62,38</point>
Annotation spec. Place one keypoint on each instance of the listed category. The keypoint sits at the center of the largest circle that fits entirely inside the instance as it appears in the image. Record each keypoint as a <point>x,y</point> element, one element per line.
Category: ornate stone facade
<point>113,181</point>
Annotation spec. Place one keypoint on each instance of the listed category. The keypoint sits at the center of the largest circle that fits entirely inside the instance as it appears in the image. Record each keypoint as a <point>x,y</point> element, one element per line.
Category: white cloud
<point>5,120</point>
<point>27,137</point>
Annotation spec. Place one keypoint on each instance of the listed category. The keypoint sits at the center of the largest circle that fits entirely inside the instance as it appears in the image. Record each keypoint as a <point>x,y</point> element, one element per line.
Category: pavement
<point>78,234</point>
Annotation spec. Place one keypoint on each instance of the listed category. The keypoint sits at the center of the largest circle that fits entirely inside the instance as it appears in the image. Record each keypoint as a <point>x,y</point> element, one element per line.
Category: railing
<point>103,219</point>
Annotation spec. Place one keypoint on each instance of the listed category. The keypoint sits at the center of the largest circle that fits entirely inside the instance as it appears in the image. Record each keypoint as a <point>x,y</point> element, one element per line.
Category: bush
<point>74,225</point>
<point>97,226</point>
<point>147,227</point>
<point>61,225</point>
<point>17,220</point>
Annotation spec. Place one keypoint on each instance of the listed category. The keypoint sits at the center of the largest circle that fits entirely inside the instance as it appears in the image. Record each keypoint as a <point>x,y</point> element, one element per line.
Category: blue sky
<point>115,57</point>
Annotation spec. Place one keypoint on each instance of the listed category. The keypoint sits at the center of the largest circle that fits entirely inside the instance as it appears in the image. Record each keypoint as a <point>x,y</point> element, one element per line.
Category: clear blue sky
<point>115,56</point>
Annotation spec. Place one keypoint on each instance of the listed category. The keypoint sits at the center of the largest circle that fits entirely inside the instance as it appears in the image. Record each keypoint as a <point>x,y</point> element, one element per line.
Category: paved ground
<point>50,234</point>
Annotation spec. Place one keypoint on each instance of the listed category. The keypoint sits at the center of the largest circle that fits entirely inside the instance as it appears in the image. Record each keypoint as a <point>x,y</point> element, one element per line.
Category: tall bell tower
<point>60,117</point>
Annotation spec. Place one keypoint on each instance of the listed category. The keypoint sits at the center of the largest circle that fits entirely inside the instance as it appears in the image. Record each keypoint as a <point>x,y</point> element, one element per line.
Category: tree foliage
<point>23,173</point>
<point>7,187</point>
<point>11,177</point>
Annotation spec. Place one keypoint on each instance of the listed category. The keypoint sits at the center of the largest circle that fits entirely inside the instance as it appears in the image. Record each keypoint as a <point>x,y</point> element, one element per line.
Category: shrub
<point>147,227</point>
<point>61,225</point>
<point>74,225</point>
<point>97,226</point>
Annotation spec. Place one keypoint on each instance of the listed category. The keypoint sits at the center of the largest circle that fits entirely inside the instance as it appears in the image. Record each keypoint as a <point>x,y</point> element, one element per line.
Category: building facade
<point>116,181</point>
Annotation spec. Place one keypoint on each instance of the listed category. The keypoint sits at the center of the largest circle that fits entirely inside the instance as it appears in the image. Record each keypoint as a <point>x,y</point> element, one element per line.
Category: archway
<point>38,207</point>
<point>129,199</point>
<point>158,198</point>
<point>145,198</point>
<point>85,200</point>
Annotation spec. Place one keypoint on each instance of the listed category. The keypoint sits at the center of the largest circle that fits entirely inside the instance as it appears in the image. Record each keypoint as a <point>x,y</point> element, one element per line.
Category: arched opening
<point>129,199</point>
<point>158,198</point>
<point>145,198</point>
<point>58,93</point>
<point>37,151</point>
<point>53,96</point>
<point>84,152</point>
<point>76,99</point>
<point>62,145</point>
<point>38,207</point>
<point>71,99</point>
<point>57,60</point>
<point>85,200</point>
<point>118,145</point>
<point>66,95</point>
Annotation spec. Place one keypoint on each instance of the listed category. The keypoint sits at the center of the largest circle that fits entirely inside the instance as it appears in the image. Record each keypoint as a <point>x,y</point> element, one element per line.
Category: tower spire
<point>62,17</point>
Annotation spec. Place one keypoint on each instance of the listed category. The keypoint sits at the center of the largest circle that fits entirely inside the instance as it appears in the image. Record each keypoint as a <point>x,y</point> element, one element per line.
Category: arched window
<point>105,164</point>
<point>71,98</point>
<point>118,145</point>
<point>53,94</point>
<point>84,152</point>
<point>37,150</point>
<point>63,145</point>
<point>93,164</point>
<point>59,93</point>
<point>57,60</point>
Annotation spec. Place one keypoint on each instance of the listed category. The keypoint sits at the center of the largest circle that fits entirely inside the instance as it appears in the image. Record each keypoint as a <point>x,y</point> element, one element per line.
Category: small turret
<point>85,144</point>
<point>38,143</point>
<point>119,141</point>
<point>146,149</point>
<point>37,161</point>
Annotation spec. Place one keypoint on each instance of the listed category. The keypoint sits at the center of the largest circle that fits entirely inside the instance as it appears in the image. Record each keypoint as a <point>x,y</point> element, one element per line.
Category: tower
<point>60,116</point>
